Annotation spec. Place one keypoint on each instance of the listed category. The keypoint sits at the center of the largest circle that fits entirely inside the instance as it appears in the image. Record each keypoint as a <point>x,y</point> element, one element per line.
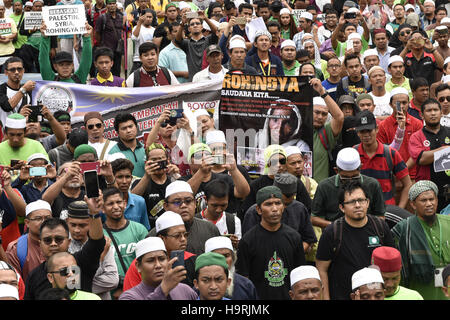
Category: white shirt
<point>11,93</point>
<point>221,224</point>
<point>382,107</point>
<point>145,34</point>
<point>99,147</point>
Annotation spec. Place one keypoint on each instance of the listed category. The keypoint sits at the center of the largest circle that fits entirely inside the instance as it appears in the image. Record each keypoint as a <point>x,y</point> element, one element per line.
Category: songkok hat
<point>304,272</point>
<point>197,147</point>
<point>220,242</point>
<point>215,136</point>
<point>369,53</point>
<point>388,259</point>
<point>395,58</point>
<point>168,220</point>
<point>399,90</point>
<point>92,115</point>
<point>288,43</point>
<point>348,159</point>
<point>37,205</point>
<point>366,276</point>
<point>307,15</point>
<point>149,244</point>
<point>37,156</point>
<point>318,101</point>
<point>354,35</point>
<point>291,150</point>
<point>420,187</point>
<point>78,210</point>
<point>375,68</point>
<point>16,121</point>
<point>286,182</point>
<point>8,291</point>
<point>210,259</point>
<point>176,187</point>
<point>259,33</point>
<point>83,149</point>
<point>267,193</point>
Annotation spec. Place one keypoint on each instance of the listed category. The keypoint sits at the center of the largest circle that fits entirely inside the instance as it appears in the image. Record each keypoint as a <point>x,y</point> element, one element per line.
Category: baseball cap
<point>346,99</point>
<point>213,48</point>
<point>63,56</point>
<point>365,120</point>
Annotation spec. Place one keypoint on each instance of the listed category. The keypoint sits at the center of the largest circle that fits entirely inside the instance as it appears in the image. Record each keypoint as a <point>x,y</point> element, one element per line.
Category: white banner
<point>5,27</point>
<point>33,19</point>
<point>64,19</point>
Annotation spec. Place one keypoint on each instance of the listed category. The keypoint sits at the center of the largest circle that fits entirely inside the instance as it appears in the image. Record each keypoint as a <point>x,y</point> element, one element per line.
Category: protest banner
<point>145,104</point>
<point>32,20</point>
<point>442,160</point>
<point>257,111</point>
<point>5,27</point>
<point>297,13</point>
<point>64,19</point>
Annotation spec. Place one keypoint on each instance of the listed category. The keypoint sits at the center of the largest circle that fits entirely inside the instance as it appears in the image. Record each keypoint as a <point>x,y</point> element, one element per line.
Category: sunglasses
<point>442,99</point>
<point>58,240</point>
<point>63,272</point>
<point>274,162</point>
<point>97,125</point>
<point>19,69</point>
<point>194,24</point>
<point>405,33</point>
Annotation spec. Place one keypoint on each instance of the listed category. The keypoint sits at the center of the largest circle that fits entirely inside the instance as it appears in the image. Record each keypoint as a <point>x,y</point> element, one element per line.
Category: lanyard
<point>262,68</point>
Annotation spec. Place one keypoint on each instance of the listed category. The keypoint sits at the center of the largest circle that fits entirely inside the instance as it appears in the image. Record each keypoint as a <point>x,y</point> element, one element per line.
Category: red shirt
<point>386,134</point>
<point>378,168</point>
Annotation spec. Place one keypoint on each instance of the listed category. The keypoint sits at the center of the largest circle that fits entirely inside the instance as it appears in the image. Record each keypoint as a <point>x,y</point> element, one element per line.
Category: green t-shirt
<point>403,293</point>
<point>83,295</point>
<point>30,147</point>
<point>293,71</point>
<point>126,239</point>
<point>320,154</point>
<point>342,46</point>
<point>389,86</point>
<point>21,40</point>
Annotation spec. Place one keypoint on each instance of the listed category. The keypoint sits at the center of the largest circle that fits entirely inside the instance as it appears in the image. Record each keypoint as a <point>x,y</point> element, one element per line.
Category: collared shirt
<point>414,111</point>
<point>136,210</point>
<point>174,59</point>
<point>111,81</point>
<point>389,86</point>
<point>384,58</point>
<point>424,67</point>
<point>136,156</point>
<point>292,71</point>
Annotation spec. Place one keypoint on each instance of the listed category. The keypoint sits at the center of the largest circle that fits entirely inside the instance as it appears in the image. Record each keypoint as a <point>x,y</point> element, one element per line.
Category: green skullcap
<point>17,1</point>
<point>110,1</point>
<point>420,187</point>
<point>197,147</point>
<point>363,96</point>
<point>171,4</point>
<point>267,193</point>
<point>83,149</point>
<point>210,259</point>
<point>156,146</point>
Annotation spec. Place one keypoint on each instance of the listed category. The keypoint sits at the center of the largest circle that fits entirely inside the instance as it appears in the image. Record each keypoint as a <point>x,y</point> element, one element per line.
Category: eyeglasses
<point>58,240</point>
<point>353,202</point>
<point>178,203</point>
<point>194,24</point>
<point>39,219</point>
<point>442,99</point>
<point>97,125</point>
<point>179,235</point>
<point>334,66</point>
<point>405,33</point>
<point>13,70</point>
<point>63,272</point>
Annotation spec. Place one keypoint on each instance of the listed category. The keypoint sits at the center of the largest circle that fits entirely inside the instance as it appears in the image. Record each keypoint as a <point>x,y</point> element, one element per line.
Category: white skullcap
<point>354,35</point>
<point>183,5</point>
<point>399,90</point>
<point>237,43</point>
<point>220,242</point>
<point>348,159</point>
<point>119,5</point>
<point>318,101</point>
<point>149,244</point>
<point>8,291</point>
<point>176,187</point>
<point>445,20</point>
<point>37,156</point>
<point>292,150</point>
<point>353,10</point>
<point>370,52</point>
<point>16,121</point>
<point>37,205</point>
<point>429,1</point>
<point>115,156</point>
<point>284,11</point>
<point>201,112</point>
<point>304,272</point>
<point>366,276</point>
<point>441,28</point>
<point>409,6</point>
<point>215,136</point>
<point>28,4</point>
<point>375,68</point>
<point>446,79</point>
<point>447,60</point>
<point>167,220</point>
<point>237,37</point>
<point>306,15</point>
<point>288,43</point>
<point>396,58</point>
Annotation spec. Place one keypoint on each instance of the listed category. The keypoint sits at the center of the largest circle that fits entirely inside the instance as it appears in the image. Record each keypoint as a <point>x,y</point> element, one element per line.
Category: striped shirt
<point>377,167</point>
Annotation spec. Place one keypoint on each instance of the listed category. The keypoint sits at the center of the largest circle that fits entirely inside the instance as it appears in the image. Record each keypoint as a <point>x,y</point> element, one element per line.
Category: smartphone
<point>178,254</point>
<point>241,20</point>
<point>38,171</point>
<point>87,166</point>
<point>162,164</point>
<point>36,113</point>
<point>218,159</point>
<point>191,15</point>
<point>176,113</point>
<point>351,15</point>
<point>91,183</point>
<point>399,107</point>
<point>14,163</point>
<point>349,44</point>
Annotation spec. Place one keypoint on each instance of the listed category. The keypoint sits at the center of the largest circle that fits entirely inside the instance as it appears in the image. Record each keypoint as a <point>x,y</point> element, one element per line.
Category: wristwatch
<point>22,89</point>
<point>95,216</point>
<point>324,95</point>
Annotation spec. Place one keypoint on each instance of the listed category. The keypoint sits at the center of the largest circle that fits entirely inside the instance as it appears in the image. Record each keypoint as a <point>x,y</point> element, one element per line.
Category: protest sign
<point>5,27</point>
<point>253,26</point>
<point>297,13</point>
<point>32,20</point>
<point>257,111</point>
<point>442,160</point>
<point>64,19</point>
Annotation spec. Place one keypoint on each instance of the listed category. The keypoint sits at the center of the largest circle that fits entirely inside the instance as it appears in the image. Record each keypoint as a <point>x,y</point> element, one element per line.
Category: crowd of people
<point>88,218</point>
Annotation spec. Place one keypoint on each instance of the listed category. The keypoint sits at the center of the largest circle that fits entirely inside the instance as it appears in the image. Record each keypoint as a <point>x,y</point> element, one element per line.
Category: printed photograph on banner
<point>442,160</point>
<point>257,111</point>
<point>252,159</point>
<point>307,167</point>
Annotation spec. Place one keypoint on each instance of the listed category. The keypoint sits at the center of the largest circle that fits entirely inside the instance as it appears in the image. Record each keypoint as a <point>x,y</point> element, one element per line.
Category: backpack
<point>345,84</point>
<point>338,226</point>
<point>22,249</point>
<point>230,220</point>
<point>137,76</point>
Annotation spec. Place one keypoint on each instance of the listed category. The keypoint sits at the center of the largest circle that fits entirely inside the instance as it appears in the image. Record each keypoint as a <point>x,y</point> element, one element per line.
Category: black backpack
<point>229,218</point>
<point>137,76</point>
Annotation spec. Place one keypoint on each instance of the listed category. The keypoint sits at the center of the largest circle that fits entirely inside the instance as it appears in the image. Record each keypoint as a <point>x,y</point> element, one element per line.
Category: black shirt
<point>267,259</point>
<point>355,253</point>
<point>61,204</point>
<point>87,259</point>
<point>353,89</point>
<point>424,67</point>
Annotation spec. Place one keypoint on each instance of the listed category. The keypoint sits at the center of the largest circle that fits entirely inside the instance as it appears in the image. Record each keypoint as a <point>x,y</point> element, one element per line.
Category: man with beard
<point>295,165</point>
<point>18,18</point>
<point>61,274</point>
<point>240,288</point>
<point>357,235</point>
<point>424,143</point>
<point>125,125</point>
<point>423,237</point>
<point>288,58</point>
<point>123,233</point>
